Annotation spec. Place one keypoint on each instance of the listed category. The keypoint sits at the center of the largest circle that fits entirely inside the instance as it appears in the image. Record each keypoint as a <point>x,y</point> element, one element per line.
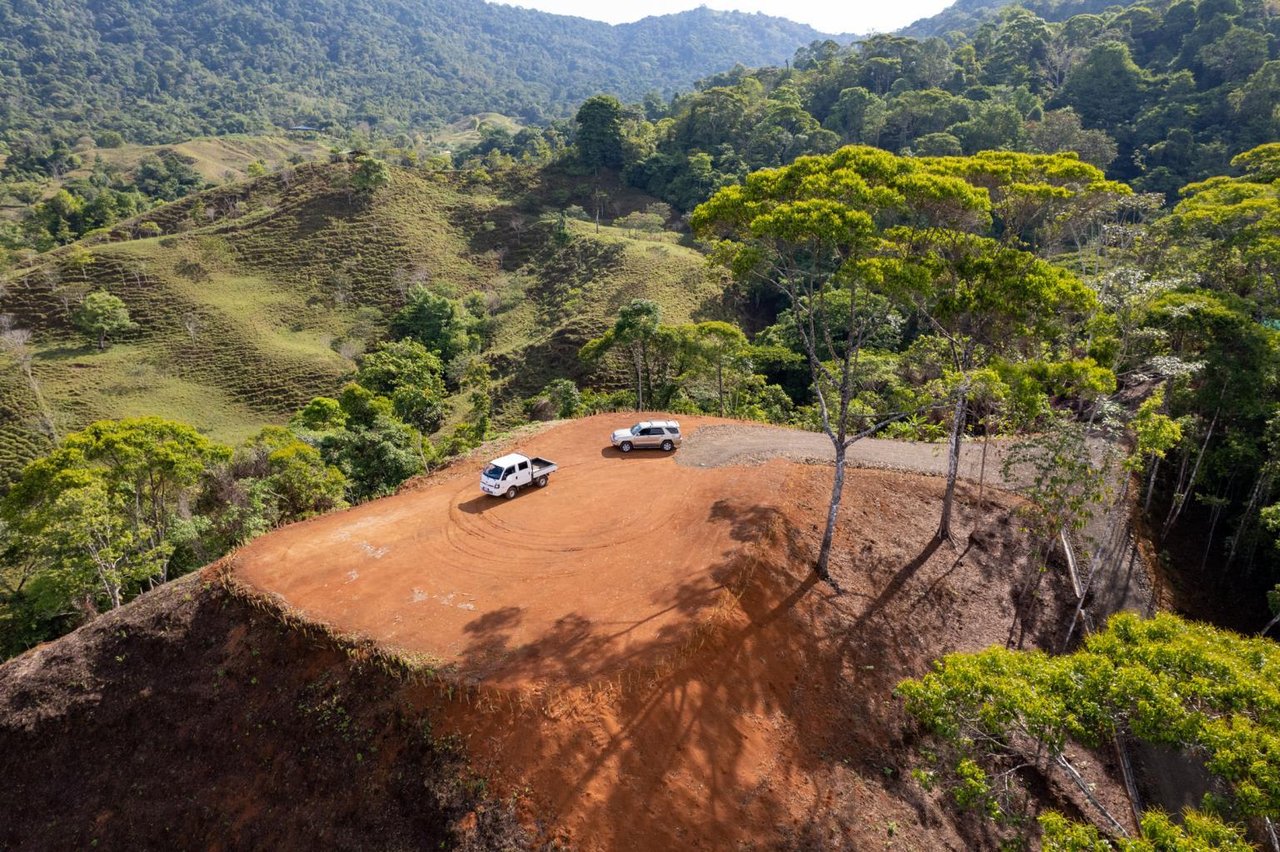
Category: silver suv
<point>648,435</point>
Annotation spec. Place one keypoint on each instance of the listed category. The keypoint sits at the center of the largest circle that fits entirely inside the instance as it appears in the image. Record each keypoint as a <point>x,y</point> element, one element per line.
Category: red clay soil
<point>619,553</point>
<point>646,658</point>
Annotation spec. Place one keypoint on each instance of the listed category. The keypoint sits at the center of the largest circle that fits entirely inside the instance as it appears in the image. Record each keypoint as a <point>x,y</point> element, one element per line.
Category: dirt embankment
<point>192,720</point>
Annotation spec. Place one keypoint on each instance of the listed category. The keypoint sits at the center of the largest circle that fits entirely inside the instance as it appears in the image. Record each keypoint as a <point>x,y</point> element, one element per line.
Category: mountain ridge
<point>159,70</point>
<point>965,16</point>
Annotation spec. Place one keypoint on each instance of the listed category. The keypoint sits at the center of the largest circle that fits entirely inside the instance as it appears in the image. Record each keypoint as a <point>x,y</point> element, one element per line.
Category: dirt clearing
<point>562,583</point>
<point>644,656</point>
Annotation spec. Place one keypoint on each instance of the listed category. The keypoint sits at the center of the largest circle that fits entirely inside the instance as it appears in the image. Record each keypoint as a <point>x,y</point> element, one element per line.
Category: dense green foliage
<point>126,504</point>
<point>1192,831</point>
<point>1162,680</point>
<point>861,241</point>
<point>64,207</point>
<point>102,315</point>
<point>690,368</point>
<point>965,16</point>
<point>164,70</point>
<point>1158,95</point>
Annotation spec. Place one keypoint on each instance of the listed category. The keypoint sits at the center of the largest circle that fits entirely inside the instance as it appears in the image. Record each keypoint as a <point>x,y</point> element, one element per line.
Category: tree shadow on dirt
<point>769,702</point>
<point>577,649</point>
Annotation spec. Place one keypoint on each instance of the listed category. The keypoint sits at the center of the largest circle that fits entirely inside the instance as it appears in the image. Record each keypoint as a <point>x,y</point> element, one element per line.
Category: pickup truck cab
<point>506,475</point>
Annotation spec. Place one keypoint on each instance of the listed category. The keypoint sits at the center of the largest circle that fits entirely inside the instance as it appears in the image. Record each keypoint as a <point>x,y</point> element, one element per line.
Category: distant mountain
<point>158,70</point>
<point>967,15</point>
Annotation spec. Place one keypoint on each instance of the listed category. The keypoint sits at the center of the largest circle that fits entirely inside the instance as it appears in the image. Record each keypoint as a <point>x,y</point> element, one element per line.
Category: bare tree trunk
<point>1255,496</point>
<point>112,589</point>
<point>1084,788</point>
<point>1270,624</point>
<point>720,385</point>
<point>1180,499</point>
<point>1151,484</point>
<point>639,383</point>
<point>1213,528</point>
<point>833,511</point>
<point>953,462</point>
<point>982,468</point>
<point>648,370</point>
<point>46,413</point>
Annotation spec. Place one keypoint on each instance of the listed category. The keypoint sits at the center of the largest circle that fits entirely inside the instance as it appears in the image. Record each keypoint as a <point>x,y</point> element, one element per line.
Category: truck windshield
<point>493,472</point>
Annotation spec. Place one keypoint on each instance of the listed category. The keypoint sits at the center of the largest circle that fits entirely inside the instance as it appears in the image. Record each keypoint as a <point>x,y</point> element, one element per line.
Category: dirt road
<point>743,444</point>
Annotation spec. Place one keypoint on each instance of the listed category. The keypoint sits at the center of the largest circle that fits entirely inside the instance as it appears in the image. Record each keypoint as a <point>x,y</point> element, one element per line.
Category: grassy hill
<point>216,159</point>
<point>258,295</point>
<point>219,158</point>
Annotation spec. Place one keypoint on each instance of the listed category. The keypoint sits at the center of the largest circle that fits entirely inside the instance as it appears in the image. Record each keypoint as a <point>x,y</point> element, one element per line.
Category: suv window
<point>671,430</point>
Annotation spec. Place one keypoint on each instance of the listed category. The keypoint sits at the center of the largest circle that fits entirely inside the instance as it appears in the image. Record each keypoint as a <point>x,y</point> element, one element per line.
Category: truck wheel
<point>667,446</point>
<point>625,446</point>
<point>542,482</point>
<point>511,493</point>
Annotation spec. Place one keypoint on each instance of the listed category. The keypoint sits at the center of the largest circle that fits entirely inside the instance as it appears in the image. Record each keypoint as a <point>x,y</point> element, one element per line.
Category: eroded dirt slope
<point>191,720</point>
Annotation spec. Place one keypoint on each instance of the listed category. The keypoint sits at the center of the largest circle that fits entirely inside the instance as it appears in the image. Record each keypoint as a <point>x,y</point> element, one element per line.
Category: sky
<point>829,16</point>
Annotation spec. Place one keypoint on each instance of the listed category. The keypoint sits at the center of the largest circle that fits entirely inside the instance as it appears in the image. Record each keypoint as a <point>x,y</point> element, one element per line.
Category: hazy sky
<point>830,16</point>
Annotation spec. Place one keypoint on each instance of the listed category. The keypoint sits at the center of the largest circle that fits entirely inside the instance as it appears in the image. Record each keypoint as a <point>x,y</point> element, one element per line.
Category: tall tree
<point>599,139</point>
<point>435,321</point>
<point>1227,229</point>
<point>987,300</point>
<point>719,343</point>
<point>636,329</point>
<point>105,507</point>
<point>821,227</point>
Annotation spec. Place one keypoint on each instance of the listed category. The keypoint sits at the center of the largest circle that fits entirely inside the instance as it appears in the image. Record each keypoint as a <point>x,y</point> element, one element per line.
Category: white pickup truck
<point>505,476</point>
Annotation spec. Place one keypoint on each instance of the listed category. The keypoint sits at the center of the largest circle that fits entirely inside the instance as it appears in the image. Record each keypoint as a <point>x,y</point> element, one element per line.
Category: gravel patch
<point>746,446</point>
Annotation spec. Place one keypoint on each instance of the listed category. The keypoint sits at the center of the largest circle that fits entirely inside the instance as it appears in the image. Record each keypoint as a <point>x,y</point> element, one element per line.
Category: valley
<point>967,538</point>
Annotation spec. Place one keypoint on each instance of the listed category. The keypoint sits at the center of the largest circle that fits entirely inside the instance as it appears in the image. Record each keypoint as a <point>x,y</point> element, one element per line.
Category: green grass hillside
<point>258,295</point>
<point>218,158</point>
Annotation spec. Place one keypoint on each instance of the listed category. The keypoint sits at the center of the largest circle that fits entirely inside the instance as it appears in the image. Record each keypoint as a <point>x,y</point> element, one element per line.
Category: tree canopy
<point>1161,680</point>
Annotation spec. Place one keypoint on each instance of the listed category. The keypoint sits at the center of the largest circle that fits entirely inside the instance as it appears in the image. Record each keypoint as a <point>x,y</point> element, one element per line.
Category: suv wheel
<point>667,446</point>
<point>625,446</point>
